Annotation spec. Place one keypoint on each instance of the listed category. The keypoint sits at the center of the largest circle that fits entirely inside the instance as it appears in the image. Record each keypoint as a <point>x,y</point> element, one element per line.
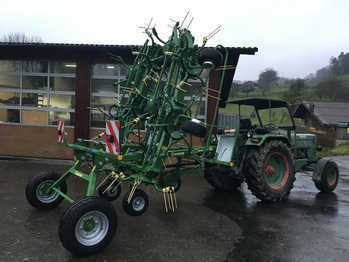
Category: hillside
<point>277,92</point>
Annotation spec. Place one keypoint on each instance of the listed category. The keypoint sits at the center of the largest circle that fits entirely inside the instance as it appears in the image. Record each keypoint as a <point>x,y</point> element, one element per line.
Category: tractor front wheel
<point>270,171</point>
<point>37,193</point>
<point>88,226</point>
<point>329,178</point>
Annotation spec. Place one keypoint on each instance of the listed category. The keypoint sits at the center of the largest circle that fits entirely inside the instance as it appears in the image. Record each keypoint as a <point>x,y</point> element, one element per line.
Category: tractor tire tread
<point>255,168</point>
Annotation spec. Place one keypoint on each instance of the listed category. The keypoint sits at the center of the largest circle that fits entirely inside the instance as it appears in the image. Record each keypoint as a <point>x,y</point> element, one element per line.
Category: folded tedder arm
<point>152,115</point>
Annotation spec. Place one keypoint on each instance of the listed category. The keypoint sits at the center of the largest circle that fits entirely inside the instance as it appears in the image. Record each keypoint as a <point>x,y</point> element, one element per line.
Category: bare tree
<point>267,78</point>
<point>332,89</point>
<point>293,95</point>
<point>20,38</point>
<point>234,89</point>
<point>248,87</point>
<point>322,74</point>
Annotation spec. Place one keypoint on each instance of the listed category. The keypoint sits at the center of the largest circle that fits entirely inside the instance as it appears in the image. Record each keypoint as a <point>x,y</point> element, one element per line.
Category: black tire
<point>210,57</point>
<point>112,192</point>
<point>329,178</point>
<point>221,179</point>
<point>195,127</point>
<point>270,171</point>
<point>138,204</point>
<point>35,190</point>
<point>170,180</point>
<point>88,226</point>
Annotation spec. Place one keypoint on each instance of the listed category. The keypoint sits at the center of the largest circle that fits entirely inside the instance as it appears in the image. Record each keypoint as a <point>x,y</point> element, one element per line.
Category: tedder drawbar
<point>150,141</point>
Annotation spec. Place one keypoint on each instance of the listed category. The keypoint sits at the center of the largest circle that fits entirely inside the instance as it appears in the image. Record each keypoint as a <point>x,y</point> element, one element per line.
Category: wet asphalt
<point>208,225</point>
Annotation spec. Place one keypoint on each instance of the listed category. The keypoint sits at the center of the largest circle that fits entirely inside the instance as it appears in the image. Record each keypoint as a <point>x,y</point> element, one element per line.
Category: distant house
<point>245,85</point>
<point>250,84</point>
<point>328,120</point>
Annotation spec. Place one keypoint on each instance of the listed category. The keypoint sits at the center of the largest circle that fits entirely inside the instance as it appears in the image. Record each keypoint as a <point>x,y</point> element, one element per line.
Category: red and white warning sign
<point>112,137</point>
<point>60,131</point>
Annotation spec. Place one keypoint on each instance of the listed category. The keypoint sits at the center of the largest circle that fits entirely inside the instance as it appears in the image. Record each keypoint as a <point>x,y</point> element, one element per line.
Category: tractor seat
<point>245,124</point>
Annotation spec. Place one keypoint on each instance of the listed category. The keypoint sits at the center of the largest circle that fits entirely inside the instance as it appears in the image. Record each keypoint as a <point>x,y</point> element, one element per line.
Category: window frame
<point>48,75</point>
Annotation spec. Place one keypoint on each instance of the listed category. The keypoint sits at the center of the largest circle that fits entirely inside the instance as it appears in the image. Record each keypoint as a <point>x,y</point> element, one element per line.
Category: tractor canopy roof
<point>260,103</point>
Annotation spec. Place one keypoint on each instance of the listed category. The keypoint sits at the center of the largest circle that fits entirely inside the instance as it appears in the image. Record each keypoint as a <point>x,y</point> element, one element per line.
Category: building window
<point>198,107</point>
<point>103,92</point>
<point>37,92</point>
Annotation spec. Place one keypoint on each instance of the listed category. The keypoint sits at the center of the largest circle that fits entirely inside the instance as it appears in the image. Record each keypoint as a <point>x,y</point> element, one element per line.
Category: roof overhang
<point>101,53</point>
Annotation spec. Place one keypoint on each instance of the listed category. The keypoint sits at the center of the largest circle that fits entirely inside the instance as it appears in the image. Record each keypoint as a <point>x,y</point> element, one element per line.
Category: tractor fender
<point>320,165</point>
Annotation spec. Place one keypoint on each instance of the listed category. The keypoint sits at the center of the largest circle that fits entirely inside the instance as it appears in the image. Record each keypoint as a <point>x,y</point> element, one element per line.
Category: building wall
<point>342,133</point>
<point>33,141</point>
<point>51,82</point>
<point>35,94</point>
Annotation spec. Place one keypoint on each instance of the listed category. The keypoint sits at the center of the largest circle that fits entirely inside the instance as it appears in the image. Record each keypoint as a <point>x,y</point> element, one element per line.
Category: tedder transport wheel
<point>270,171</point>
<point>329,178</point>
<point>194,127</point>
<point>210,57</point>
<point>88,226</point>
<point>220,178</point>
<point>138,204</point>
<point>170,180</point>
<point>111,193</point>
<point>36,190</point>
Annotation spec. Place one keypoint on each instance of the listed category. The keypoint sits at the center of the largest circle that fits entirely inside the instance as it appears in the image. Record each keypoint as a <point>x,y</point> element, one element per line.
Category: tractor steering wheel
<point>270,125</point>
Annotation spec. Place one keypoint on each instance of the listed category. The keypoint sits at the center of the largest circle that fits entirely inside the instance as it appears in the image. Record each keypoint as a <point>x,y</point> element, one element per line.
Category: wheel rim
<point>276,170</point>
<point>331,177</point>
<point>43,195</point>
<point>176,186</point>
<point>112,191</point>
<point>91,228</point>
<point>138,203</point>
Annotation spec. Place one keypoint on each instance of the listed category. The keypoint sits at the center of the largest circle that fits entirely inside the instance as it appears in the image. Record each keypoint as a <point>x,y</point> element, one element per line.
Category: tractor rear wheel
<point>270,171</point>
<point>221,179</point>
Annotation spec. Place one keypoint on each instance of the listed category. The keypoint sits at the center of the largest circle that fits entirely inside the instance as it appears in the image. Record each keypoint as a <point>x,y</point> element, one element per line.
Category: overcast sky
<point>294,37</point>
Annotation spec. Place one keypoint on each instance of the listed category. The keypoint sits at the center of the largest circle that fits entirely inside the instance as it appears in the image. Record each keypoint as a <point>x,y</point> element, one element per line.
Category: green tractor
<point>266,153</point>
<point>150,141</point>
